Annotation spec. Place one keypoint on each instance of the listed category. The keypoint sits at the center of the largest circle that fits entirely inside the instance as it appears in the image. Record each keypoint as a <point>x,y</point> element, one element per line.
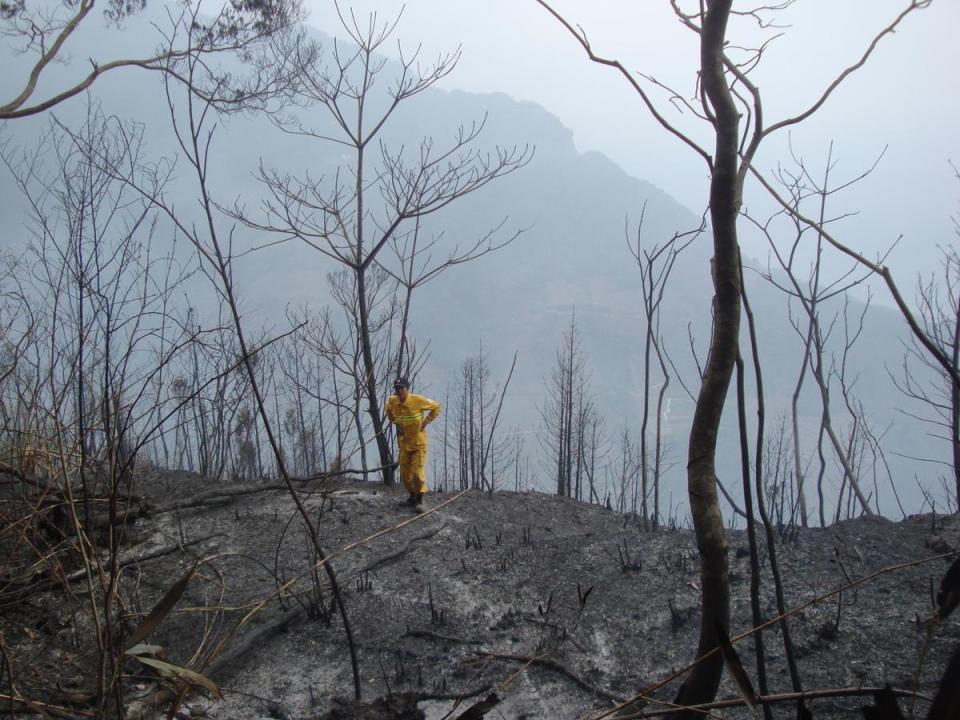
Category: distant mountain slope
<point>573,257</point>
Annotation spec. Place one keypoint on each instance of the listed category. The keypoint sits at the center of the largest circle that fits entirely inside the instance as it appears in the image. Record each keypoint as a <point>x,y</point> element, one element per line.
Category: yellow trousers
<point>413,462</point>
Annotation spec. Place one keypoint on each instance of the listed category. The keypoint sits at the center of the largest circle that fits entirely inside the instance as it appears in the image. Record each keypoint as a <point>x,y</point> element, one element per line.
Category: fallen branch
<point>13,597</point>
<point>393,557</point>
<point>430,635</point>
<point>134,560</point>
<point>252,639</point>
<point>557,668</point>
<point>201,499</point>
<point>773,699</point>
<point>339,473</point>
<point>465,695</point>
<point>41,708</point>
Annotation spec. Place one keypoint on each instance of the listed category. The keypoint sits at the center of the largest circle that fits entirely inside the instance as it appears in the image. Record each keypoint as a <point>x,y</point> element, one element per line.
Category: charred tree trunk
<point>702,684</point>
<point>955,399</point>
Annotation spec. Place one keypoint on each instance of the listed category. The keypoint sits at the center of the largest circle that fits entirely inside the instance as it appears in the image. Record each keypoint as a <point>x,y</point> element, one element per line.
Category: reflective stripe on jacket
<point>408,417</point>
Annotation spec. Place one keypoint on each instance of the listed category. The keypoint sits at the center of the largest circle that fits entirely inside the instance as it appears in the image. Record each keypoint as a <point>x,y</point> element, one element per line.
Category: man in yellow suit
<point>411,414</point>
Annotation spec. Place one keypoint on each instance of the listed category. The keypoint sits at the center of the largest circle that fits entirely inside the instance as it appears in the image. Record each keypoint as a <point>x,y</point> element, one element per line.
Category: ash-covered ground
<point>564,610</point>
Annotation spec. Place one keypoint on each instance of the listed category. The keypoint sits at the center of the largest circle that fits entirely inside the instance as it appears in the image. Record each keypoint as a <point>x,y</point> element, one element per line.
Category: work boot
<point>411,501</point>
<point>418,502</point>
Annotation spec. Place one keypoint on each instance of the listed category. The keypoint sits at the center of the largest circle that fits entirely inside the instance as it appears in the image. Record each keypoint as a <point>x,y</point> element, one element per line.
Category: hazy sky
<point>906,99</point>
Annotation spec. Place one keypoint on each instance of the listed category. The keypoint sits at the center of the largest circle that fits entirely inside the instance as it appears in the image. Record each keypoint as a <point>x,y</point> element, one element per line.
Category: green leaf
<point>162,608</point>
<point>191,677</point>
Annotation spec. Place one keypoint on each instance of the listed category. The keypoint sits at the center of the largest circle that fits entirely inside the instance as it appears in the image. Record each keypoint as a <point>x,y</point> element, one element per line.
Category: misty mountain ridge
<point>578,212</point>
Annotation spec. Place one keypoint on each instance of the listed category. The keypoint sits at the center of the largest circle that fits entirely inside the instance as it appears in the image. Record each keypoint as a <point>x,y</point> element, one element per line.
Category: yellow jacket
<point>409,417</point>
